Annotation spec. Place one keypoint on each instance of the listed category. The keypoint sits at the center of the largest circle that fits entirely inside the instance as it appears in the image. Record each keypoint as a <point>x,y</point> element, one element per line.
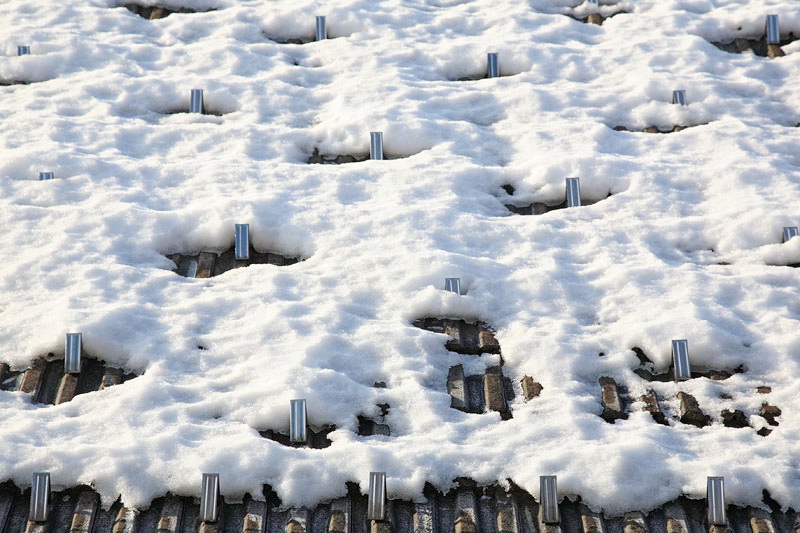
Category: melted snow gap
<point>646,370</point>
<point>505,73</point>
<point>326,159</point>
<point>682,407</point>
<point>209,264</point>
<point>302,39</point>
<point>656,129</point>
<point>207,110</point>
<point>318,438</point>
<point>710,257</point>
<point>320,33</point>
<point>540,208</point>
<point>469,338</point>
<point>491,391</point>
<point>292,40</point>
<point>47,382</point>
<point>158,12</point>
<point>772,264</point>
<point>594,18</point>
<point>758,46</point>
<point>371,426</point>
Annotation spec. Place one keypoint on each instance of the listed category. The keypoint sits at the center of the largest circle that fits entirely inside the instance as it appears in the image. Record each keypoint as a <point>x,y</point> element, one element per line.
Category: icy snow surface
<point>687,245</point>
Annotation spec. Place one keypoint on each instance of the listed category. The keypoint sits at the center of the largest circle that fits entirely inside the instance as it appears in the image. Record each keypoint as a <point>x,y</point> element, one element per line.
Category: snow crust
<point>136,179</point>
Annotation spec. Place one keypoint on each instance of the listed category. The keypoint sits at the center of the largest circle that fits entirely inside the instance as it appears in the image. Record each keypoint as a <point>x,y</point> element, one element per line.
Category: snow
<point>137,179</point>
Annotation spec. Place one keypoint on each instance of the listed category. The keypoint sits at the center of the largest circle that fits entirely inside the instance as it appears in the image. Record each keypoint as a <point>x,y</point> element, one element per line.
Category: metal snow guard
<point>297,421</point>
<point>241,247</point>
<point>40,497</point>
<point>573,192</point>
<point>453,285</point>
<point>716,501</point>
<point>322,32</point>
<point>376,145</point>
<point>492,65</point>
<point>680,360</point>
<point>196,101</point>
<point>72,353</point>
<point>209,498</point>
<point>548,494</point>
<point>376,503</point>
<point>773,30</point>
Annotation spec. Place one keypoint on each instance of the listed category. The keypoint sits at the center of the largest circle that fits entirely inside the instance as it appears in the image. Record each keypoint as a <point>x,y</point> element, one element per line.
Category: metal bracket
<point>492,65</point>
<point>297,421</point>
<point>40,497</point>
<point>453,285</point>
<point>716,501</point>
<point>376,503</point>
<point>376,145</point>
<point>548,494</point>
<point>773,30</point>
<point>573,192</point>
<point>241,250</point>
<point>322,31</point>
<point>191,270</point>
<point>72,353</point>
<point>209,498</point>
<point>680,360</point>
<point>196,101</point>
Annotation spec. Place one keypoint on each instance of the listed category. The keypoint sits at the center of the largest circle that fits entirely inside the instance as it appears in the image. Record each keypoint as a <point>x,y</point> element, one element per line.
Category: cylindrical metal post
<point>297,421</point>
<point>241,246</point>
<point>548,500</point>
<point>716,501</point>
<point>773,30</point>
<point>679,97</point>
<point>322,31</point>
<point>376,145</point>
<point>492,66</point>
<point>196,101</point>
